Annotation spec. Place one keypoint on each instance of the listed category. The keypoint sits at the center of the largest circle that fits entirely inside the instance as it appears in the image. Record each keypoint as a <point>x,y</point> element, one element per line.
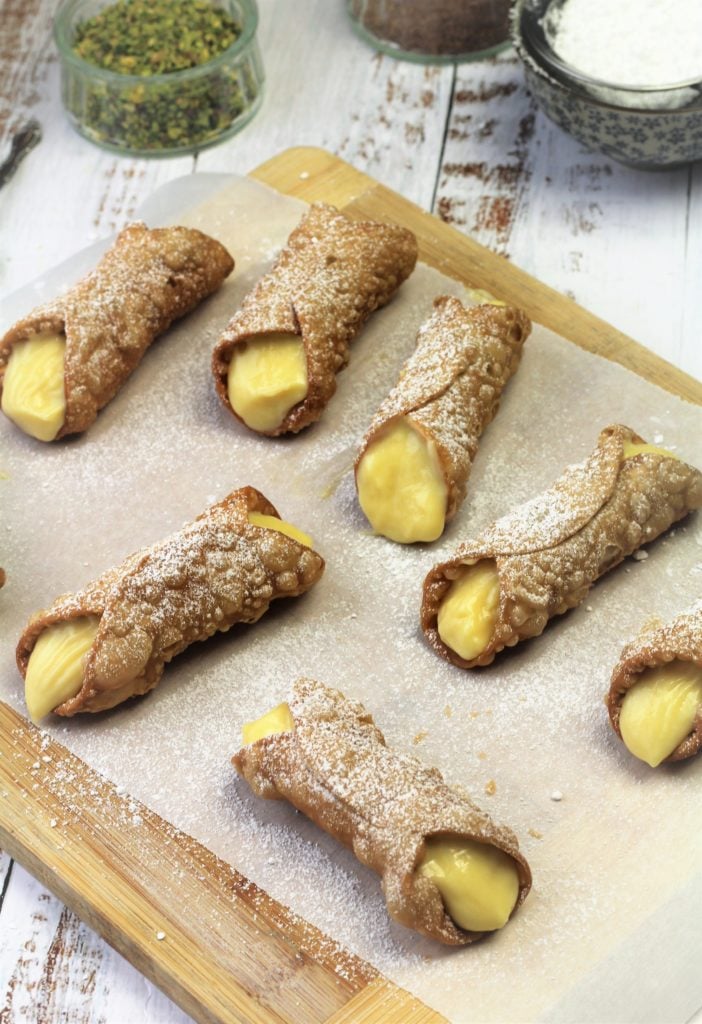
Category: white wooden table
<point>467,143</point>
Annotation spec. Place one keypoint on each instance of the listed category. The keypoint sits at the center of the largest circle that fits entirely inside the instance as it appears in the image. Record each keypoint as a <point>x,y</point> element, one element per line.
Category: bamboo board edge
<point>314,174</point>
<point>359,994</point>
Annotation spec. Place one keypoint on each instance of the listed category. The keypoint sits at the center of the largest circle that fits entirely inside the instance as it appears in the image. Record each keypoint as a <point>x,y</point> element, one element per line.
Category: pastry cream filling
<point>659,711</point>
<point>479,884</point>
<point>273,523</point>
<point>55,667</point>
<point>483,297</point>
<point>273,722</point>
<point>267,377</point>
<point>401,486</point>
<point>631,449</point>
<point>32,392</point>
<point>468,612</point>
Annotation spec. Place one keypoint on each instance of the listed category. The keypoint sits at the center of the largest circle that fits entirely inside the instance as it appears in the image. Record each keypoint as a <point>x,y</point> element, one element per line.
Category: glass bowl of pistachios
<point>159,77</point>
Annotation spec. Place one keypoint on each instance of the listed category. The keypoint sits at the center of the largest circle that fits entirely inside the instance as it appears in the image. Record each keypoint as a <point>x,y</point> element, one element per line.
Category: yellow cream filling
<point>631,449</point>
<point>273,722</point>
<point>468,612</point>
<point>273,523</point>
<point>401,486</point>
<point>479,884</point>
<point>482,297</point>
<point>33,394</point>
<point>55,667</point>
<point>267,377</point>
<point>659,710</point>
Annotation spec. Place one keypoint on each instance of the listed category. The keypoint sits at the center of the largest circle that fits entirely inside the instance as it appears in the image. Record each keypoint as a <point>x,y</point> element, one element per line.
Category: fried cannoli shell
<point>550,551</point>
<point>215,572</point>
<point>451,385</point>
<point>331,275</point>
<point>145,281</point>
<point>681,640</point>
<point>335,768</point>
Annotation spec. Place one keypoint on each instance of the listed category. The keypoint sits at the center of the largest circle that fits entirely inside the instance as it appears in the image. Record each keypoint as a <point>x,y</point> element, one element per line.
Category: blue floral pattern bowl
<point>639,128</point>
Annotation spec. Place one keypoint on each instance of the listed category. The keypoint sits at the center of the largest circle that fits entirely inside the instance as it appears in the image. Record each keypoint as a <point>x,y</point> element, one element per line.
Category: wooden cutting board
<point>213,941</point>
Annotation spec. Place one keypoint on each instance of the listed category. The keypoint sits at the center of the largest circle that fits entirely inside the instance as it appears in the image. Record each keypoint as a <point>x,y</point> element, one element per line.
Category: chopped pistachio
<point>160,37</point>
<point>155,37</point>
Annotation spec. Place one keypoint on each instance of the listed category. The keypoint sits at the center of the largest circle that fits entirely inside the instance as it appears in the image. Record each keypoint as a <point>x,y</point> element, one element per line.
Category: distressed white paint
<point>54,968</point>
<point>324,87</point>
<point>625,244</point>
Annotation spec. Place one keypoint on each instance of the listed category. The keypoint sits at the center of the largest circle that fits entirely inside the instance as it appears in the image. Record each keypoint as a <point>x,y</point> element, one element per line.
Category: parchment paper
<point>612,928</point>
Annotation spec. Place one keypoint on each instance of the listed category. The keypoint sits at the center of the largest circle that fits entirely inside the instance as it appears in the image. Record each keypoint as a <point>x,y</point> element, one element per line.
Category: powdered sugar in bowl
<point>624,78</point>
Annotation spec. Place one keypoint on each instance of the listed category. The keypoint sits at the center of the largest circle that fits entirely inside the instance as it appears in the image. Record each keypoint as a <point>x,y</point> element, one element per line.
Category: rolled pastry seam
<point>657,685</point>
<point>323,753</point>
<point>84,345</point>
<point>448,392</point>
<point>223,568</point>
<point>331,275</point>
<point>541,559</point>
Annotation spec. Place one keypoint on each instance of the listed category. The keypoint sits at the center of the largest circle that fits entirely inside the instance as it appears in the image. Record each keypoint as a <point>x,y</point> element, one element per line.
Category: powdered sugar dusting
<point>165,448</point>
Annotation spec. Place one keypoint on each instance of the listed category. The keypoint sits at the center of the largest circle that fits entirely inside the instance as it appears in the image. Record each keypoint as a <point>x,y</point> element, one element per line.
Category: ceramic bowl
<point>649,128</point>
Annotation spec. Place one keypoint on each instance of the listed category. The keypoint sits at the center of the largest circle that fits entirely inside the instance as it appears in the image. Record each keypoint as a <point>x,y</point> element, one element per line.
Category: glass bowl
<point>649,127</point>
<point>163,114</point>
<point>436,32</point>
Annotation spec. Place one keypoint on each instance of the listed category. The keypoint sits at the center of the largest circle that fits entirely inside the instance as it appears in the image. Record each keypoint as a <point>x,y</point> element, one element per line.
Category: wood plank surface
<point>617,240</point>
<point>236,954</point>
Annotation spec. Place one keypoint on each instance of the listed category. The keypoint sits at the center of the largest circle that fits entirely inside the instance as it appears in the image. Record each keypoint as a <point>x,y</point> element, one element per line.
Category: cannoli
<point>415,460</point>
<point>655,697</point>
<point>110,641</point>
<point>275,365</point>
<point>542,559</point>
<point>447,870</point>
<point>66,360</point>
